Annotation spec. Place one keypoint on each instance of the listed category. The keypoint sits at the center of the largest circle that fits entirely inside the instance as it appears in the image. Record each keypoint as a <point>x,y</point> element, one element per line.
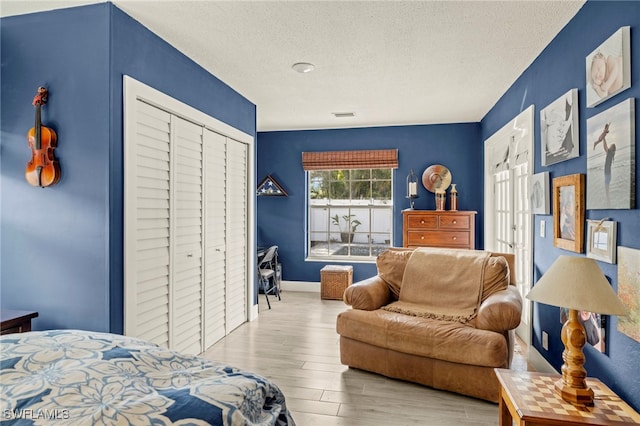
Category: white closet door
<point>186,215</point>
<point>237,262</point>
<point>187,246</point>
<point>147,225</point>
<point>215,275</point>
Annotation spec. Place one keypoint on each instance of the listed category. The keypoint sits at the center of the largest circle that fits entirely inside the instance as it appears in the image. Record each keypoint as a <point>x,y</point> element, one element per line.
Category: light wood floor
<point>295,345</point>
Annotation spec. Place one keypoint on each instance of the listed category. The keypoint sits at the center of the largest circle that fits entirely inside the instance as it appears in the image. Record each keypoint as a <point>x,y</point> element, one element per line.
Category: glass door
<point>508,221</point>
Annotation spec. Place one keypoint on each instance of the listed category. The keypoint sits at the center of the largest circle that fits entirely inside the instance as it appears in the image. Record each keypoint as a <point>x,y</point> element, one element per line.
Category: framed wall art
<point>270,187</point>
<point>568,212</point>
<point>608,68</point>
<point>629,291</point>
<point>539,193</point>
<point>611,158</point>
<point>593,324</point>
<point>559,129</point>
<point>601,240</point>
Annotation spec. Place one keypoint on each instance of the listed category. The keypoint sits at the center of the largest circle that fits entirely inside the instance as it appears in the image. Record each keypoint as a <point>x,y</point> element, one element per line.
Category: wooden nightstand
<point>530,399</point>
<point>15,321</point>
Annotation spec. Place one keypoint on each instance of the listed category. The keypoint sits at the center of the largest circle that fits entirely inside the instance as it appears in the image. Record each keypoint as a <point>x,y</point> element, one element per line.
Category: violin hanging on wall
<point>43,169</point>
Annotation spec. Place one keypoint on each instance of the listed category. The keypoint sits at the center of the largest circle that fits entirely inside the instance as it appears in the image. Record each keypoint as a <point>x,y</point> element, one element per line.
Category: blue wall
<point>61,247</point>
<point>560,67</point>
<point>280,219</point>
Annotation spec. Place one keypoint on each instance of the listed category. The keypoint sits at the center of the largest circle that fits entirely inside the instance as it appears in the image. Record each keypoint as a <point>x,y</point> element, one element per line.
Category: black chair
<point>267,267</point>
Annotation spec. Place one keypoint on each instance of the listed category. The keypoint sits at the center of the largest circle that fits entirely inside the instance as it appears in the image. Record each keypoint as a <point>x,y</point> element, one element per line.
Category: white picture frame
<point>540,194</point>
<point>601,240</point>
<point>608,68</point>
<point>559,129</point>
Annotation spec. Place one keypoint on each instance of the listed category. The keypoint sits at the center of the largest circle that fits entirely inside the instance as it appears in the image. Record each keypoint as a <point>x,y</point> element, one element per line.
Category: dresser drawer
<point>438,238</point>
<point>422,222</point>
<point>438,228</point>
<point>453,222</point>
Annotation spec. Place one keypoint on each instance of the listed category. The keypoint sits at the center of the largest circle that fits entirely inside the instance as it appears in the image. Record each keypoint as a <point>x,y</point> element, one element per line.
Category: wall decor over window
<point>568,212</point>
<point>611,159</point>
<point>539,193</point>
<point>601,240</point>
<point>629,291</point>
<point>608,68</point>
<point>559,129</point>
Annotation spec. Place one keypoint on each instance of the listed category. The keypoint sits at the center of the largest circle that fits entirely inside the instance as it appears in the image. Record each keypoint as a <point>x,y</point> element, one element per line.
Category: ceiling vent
<point>344,114</point>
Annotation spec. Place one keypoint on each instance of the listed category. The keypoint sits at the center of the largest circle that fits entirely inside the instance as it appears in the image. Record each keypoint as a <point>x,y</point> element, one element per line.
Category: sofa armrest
<point>501,311</point>
<point>368,295</point>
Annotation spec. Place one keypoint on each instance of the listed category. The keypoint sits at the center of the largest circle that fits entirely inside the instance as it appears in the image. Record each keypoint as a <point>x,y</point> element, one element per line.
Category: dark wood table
<point>15,321</point>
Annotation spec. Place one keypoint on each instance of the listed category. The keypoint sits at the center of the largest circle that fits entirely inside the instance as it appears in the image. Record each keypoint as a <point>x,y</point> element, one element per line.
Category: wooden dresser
<point>439,228</point>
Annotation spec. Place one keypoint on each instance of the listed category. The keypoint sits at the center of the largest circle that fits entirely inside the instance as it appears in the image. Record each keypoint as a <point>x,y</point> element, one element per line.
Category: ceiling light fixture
<point>303,67</point>
<point>344,114</point>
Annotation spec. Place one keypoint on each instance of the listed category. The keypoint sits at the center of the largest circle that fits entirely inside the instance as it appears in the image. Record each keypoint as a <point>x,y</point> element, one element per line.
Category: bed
<point>80,377</point>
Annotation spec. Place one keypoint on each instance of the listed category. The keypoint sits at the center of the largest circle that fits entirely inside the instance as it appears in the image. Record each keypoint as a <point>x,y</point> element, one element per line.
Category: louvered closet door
<point>236,234</point>
<point>186,226</point>
<point>188,232</point>
<point>215,275</point>
<point>147,226</point>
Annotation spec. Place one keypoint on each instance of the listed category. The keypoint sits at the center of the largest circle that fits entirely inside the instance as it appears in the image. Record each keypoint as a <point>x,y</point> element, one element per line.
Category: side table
<point>530,399</point>
<point>16,321</point>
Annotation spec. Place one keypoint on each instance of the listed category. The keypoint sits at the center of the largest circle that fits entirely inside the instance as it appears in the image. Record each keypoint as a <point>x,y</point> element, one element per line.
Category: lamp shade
<point>577,283</point>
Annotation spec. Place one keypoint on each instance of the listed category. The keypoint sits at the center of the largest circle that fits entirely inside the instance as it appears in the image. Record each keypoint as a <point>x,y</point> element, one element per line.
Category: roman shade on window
<point>342,160</point>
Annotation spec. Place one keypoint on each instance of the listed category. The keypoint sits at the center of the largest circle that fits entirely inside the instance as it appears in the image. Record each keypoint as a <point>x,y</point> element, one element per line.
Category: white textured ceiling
<point>389,62</point>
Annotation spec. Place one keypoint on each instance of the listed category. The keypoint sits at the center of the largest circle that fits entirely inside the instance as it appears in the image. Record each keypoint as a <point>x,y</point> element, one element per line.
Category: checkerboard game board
<point>534,396</point>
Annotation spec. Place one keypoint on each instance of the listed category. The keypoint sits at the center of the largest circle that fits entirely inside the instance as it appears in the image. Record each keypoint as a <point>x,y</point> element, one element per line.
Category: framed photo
<point>539,193</point>
<point>594,327</point>
<point>611,158</point>
<point>568,212</point>
<point>601,240</point>
<point>629,291</point>
<point>559,129</point>
<point>608,68</point>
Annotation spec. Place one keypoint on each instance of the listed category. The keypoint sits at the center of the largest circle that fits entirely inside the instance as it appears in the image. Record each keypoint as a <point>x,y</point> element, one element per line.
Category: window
<point>350,213</point>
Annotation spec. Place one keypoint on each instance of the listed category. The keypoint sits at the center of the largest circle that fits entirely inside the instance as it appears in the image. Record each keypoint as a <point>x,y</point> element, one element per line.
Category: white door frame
<point>503,151</point>
<point>134,91</point>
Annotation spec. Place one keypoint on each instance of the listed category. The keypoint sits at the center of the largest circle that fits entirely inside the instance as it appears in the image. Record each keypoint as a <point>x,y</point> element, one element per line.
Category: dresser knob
<point>422,237</point>
<point>422,221</point>
<point>454,238</point>
<point>455,221</point>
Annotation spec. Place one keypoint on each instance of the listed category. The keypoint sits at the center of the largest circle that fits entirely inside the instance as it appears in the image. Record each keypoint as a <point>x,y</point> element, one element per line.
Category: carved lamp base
<point>573,385</point>
<point>578,397</point>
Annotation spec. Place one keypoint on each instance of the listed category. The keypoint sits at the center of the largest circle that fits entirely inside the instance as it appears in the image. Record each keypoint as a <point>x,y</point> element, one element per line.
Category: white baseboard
<point>541,365</point>
<point>307,286</point>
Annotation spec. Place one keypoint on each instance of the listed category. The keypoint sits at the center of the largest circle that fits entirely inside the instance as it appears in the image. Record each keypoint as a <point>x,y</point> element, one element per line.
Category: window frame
<point>346,207</point>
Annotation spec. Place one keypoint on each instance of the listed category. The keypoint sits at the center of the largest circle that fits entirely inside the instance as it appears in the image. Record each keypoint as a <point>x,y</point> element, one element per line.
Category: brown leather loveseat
<point>440,317</point>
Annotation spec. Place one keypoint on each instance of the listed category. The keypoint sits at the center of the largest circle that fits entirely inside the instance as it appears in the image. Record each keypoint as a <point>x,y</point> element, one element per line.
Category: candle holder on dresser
<point>412,188</point>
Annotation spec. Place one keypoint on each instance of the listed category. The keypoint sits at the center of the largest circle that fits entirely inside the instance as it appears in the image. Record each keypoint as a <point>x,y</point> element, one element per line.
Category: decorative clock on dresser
<point>439,228</point>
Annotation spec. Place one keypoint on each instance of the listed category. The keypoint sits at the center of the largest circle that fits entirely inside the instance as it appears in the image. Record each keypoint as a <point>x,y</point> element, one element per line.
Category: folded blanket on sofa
<point>442,284</point>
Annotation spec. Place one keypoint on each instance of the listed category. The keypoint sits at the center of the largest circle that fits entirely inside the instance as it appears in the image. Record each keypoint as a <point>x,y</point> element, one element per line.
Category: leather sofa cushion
<point>445,340</point>
<point>496,276</point>
<point>391,264</point>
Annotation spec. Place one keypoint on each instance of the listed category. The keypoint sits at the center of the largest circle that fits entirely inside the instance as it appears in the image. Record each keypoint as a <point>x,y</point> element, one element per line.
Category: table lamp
<point>576,283</point>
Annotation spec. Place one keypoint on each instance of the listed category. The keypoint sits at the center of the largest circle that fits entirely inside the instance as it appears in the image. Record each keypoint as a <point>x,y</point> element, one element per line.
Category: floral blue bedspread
<point>79,377</point>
